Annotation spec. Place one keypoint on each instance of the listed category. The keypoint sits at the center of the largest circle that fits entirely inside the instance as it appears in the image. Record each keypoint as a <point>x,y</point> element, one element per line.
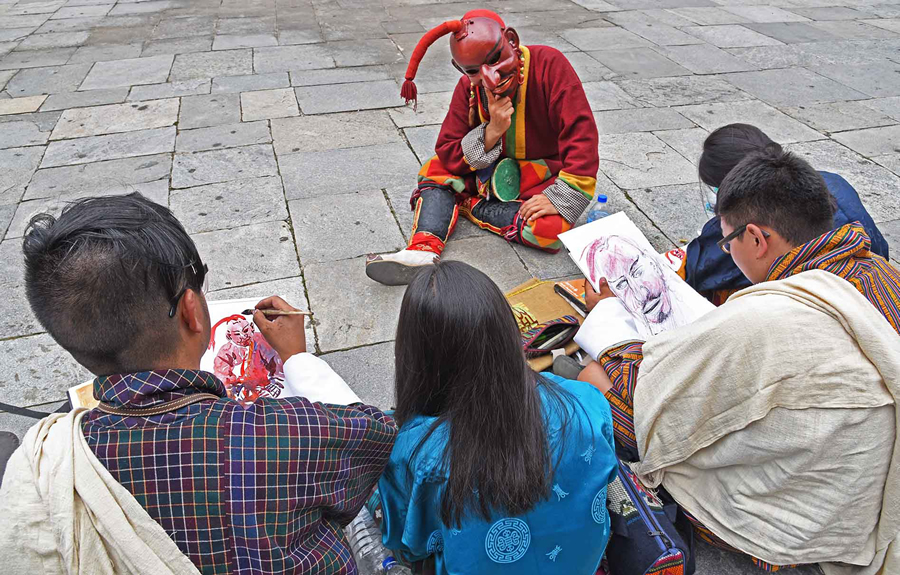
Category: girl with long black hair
<point>496,469</point>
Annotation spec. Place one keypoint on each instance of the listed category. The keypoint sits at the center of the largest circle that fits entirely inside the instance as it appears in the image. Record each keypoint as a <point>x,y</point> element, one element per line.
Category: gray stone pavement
<point>275,131</point>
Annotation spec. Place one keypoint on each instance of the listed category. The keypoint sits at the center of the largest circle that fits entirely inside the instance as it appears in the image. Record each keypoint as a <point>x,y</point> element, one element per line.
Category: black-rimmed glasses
<point>725,243</point>
<point>204,286</point>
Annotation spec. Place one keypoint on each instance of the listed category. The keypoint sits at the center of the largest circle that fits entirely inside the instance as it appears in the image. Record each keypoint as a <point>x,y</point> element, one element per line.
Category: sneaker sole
<point>392,273</point>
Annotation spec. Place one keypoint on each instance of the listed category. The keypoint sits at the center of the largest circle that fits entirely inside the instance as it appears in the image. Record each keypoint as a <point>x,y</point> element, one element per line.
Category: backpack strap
<point>157,409</point>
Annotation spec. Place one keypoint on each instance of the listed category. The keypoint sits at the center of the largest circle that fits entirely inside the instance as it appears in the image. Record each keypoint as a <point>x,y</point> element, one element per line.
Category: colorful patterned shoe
<point>505,180</point>
<point>397,269</point>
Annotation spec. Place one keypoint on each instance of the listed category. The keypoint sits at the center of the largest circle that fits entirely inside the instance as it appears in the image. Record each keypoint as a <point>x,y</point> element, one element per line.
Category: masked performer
<point>260,372</point>
<point>517,152</point>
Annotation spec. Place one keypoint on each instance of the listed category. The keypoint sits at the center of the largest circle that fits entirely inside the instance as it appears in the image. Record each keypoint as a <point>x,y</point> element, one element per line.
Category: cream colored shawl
<point>62,511</point>
<point>774,419</point>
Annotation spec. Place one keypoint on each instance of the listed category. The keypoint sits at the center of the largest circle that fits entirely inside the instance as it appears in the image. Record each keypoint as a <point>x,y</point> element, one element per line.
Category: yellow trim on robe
<point>584,184</point>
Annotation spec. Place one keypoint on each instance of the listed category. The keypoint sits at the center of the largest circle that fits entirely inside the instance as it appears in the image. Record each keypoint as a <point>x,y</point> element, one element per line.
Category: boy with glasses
<point>748,415</point>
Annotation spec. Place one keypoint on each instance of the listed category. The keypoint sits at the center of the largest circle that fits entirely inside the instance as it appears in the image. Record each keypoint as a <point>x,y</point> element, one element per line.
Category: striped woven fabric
<point>845,252</point>
<point>264,489</point>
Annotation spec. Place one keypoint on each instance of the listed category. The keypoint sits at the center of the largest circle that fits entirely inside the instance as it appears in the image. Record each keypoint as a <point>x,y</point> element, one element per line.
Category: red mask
<point>488,54</point>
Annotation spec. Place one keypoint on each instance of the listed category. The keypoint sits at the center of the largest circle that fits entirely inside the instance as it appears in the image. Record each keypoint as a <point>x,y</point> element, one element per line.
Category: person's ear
<point>193,311</point>
<point>512,37</point>
<point>760,242</point>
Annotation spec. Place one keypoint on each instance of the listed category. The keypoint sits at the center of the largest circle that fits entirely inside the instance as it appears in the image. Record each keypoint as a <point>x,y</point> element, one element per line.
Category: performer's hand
<point>592,298</point>
<point>537,207</point>
<point>501,111</point>
<point>285,333</point>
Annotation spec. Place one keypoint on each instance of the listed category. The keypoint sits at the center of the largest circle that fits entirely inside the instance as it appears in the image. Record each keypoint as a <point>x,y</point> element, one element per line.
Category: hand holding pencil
<point>283,326</point>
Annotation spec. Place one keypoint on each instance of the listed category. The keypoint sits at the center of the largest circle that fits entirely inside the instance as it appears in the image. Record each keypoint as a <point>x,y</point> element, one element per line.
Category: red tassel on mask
<point>409,92</point>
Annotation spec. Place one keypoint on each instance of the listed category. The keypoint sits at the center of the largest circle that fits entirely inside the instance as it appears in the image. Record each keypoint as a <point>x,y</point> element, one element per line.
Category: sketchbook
<point>238,355</point>
<point>646,285</point>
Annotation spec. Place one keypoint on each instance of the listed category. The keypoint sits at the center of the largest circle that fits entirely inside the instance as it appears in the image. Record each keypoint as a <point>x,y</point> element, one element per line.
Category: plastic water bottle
<point>372,558</point>
<point>599,211</point>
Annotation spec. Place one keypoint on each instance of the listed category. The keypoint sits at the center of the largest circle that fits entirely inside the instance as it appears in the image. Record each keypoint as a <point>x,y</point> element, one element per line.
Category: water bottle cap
<point>388,563</point>
<point>601,199</point>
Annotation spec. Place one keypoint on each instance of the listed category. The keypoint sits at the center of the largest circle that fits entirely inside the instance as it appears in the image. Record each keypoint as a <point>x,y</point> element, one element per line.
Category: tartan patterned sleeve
<point>473,149</point>
<point>568,202</point>
<point>622,364</point>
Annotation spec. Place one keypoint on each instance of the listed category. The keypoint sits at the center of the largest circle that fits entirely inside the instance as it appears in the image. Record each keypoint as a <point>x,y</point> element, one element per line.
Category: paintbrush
<point>274,312</point>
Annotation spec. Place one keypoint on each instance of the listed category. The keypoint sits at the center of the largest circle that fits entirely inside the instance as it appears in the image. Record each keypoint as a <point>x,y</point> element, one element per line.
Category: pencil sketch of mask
<point>637,278</point>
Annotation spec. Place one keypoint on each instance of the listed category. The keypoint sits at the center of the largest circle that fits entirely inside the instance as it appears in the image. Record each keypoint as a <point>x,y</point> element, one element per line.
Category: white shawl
<point>774,420</point>
<point>62,511</point>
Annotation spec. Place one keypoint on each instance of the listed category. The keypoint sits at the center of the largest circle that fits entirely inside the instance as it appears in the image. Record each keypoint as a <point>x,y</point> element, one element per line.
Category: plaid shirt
<point>264,489</point>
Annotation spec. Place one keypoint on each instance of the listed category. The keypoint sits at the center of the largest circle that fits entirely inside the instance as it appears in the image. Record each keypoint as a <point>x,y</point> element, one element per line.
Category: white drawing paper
<point>648,288</point>
<point>238,355</point>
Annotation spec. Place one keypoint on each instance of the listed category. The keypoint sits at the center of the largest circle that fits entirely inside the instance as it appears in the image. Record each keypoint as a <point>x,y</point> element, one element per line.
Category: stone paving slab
<point>872,141</point>
<point>639,63</point>
<point>232,84</point>
<point>649,120</point>
<point>333,131</point>
<point>705,59</point>
<point>792,87</point>
<point>310,174</point>
<point>336,98</point>
<point>111,147</point>
<point>840,116</point>
<point>341,226</point>
<point>216,166</point>
<point>158,191</point>
<point>266,253</point>
<point>678,91</point>
<point>640,160</point>
<point>266,104</point>
<point>82,99</point>
<point>287,58</point>
<point>230,204</point>
<point>212,64</point>
<point>422,140</point>
<point>170,90</point>
<point>99,120</point>
<point>16,168</point>
<point>178,46</point>
<point>209,110</point>
<point>17,134</point>
<point>878,79</point>
<point>359,311</point>
<point>36,370</point>
<point>16,319</point>
<point>688,142</point>
<point>731,36</point>
<point>118,73</point>
<point>21,105</point>
<point>778,126</point>
<point>118,175</point>
<point>225,136</point>
<point>877,187</point>
<point>369,370</point>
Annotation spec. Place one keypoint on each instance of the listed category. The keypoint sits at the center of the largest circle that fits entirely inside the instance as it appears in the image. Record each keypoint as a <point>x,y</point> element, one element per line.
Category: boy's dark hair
<point>725,147</point>
<point>103,276</point>
<point>779,190</point>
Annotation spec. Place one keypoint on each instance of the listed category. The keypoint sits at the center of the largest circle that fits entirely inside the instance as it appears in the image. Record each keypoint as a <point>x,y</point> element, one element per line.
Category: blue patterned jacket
<point>565,534</point>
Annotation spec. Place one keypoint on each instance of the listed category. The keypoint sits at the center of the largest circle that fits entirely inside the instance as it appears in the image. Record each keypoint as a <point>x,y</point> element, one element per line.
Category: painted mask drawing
<point>615,249</point>
<point>240,356</point>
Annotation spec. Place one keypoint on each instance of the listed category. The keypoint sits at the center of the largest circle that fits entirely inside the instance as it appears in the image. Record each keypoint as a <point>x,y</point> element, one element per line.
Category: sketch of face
<point>636,278</point>
<point>239,332</point>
